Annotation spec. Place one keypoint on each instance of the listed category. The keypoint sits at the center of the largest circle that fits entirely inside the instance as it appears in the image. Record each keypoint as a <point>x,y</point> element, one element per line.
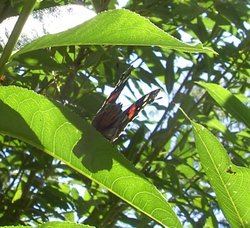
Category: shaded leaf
<point>228,101</point>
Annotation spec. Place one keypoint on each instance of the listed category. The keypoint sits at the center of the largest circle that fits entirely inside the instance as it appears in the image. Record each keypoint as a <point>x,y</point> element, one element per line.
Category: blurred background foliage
<point>35,188</point>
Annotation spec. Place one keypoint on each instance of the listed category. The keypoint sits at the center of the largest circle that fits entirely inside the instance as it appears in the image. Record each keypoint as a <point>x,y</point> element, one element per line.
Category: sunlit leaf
<point>54,129</point>
<point>231,183</point>
<point>115,27</point>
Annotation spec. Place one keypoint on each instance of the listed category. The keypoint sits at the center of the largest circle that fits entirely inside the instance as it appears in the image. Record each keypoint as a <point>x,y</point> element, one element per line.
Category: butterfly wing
<point>109,113</point>
<point>132,111</point>
<point>110,120</point>
<point>113,121</point>
<point>119,87</point>
<point>135,108</point>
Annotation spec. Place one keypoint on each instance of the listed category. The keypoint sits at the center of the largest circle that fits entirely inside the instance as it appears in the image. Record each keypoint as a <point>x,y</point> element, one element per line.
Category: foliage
<point>54,165</point>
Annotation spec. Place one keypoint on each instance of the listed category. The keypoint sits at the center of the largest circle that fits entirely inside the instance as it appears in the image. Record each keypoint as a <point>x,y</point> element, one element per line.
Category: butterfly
<point>110,120</point>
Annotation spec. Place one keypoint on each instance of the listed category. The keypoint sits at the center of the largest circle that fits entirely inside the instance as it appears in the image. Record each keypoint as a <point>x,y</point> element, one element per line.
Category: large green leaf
<point>63,225</point>
<point>231,183</point>
<point>228,101</point>
<point>56,130</point>
<point>115,27</point>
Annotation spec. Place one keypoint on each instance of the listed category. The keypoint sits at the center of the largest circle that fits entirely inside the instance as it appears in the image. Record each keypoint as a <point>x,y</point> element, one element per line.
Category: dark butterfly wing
<point>122,120</point>
<point>129,114</point>
<point>110,120</point>
<point>135,108</point>
<point>119,87</point>
<point>107,115</point>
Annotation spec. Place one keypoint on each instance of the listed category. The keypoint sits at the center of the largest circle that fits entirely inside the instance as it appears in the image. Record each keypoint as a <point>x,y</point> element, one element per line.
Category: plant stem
<point>27,9</point>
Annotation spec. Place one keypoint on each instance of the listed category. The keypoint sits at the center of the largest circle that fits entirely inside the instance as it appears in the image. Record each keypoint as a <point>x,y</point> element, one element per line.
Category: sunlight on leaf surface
<point>114,27</point>
<point>62,134</point>
<point>231,183</point>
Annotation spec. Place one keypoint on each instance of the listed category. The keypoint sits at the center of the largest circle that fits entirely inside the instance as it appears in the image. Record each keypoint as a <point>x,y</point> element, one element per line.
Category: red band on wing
<point>110,120</point>
<point>132,111</point>
<point>135,108</point>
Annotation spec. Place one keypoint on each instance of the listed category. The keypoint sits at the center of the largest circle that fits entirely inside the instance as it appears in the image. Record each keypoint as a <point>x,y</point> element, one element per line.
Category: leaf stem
<point>27,9</point>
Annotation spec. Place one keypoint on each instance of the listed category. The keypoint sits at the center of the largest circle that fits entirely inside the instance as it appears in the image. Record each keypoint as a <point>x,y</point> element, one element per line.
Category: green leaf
<point>115,27</point>
<point>231,183</point>
<point>18,193</point>
<point>62,134</point>
<point>63,225</point>
<point>228,101</point>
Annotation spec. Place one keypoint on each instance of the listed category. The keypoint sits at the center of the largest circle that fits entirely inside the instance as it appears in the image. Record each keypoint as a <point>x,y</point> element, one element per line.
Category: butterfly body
<point>110,120</point>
